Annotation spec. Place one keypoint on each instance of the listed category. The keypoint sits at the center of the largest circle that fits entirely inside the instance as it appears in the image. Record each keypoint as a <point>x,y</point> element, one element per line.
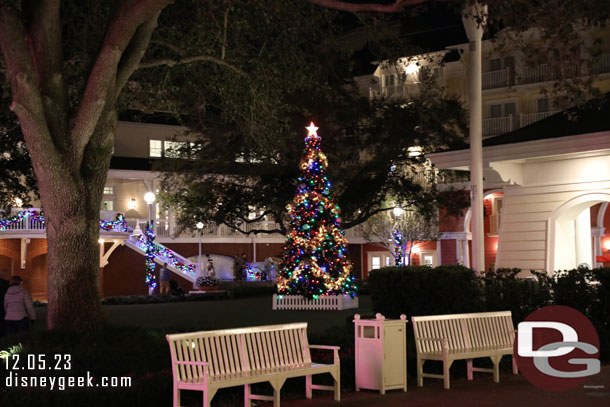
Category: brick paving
<point>512,391</point>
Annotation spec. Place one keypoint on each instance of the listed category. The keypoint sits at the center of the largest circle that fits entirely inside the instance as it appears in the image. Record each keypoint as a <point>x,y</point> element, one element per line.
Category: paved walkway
<point>512,391</point>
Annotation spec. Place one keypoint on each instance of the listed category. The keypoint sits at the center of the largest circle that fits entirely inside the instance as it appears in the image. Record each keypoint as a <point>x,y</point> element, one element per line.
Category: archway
<point>569,239</point>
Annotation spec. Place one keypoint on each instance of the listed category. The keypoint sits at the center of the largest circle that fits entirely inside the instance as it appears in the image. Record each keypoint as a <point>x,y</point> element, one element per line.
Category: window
<point>496,111</point>
<point>389,80</point>
<point>495,64</point>
<point>503,110</point>
<point>108,205</point>
<point>428,260</point>
<point>174,149</point>
<point>108,190</point>
<point>155,148</point>
<point>543,105</point>
<point>496,214</point>
<point>375,262</point>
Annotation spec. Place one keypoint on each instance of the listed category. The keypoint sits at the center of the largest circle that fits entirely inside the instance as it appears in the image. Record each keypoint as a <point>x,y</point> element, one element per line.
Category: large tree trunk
<point>73,271</point>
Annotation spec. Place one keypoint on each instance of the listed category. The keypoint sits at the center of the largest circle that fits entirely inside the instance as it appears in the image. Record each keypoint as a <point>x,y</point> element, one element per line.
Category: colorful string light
<point>119,223</point>
<point>32,213</point>
<point>314,260</point>
<point>398,257</point>
<point>164,254</point>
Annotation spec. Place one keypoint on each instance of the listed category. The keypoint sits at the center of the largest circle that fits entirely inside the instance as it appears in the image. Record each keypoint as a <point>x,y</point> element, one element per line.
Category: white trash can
<point>381,353</point>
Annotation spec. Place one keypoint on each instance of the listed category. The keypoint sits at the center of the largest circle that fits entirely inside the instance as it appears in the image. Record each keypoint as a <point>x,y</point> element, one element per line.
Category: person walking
<point>18,307</point>
<point>4,284</point>
<point>238,266</point>
<point>164,277</point>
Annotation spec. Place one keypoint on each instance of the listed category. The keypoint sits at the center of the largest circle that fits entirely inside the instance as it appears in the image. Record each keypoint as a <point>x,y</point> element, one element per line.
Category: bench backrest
<point>232,351</point>
<point>464,331</point>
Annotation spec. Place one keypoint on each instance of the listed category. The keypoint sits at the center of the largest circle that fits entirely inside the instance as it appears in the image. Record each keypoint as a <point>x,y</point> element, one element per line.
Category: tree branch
<point>27,100</point>
<point>102,78</point>
<point>395,7</point>
<point>188,60</point>
<point>47,52</point>
<point>134,52</point>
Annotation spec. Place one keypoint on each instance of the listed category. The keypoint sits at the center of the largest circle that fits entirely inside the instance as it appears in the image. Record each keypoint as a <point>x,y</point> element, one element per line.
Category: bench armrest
<point>324,347</point>
<point>335,350</point>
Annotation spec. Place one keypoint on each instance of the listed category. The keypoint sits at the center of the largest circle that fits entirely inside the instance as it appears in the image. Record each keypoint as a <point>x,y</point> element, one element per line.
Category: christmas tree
<point>314,261</point>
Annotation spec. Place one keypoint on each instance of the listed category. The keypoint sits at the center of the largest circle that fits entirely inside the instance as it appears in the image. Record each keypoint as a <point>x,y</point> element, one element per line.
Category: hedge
<point>456,289</point>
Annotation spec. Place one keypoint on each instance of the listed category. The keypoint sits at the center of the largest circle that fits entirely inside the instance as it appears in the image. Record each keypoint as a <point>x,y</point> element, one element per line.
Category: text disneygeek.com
<point>25,371</point>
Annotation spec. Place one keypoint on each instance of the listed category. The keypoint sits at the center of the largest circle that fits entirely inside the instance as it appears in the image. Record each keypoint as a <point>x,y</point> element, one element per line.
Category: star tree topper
<point>312,129</point>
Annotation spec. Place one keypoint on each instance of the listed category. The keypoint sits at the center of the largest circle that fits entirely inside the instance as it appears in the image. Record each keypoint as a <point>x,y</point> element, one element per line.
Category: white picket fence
<point>325,302</point>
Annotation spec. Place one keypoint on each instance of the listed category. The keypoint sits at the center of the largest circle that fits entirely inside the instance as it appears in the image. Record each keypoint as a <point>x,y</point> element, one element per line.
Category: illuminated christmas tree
<point>314,261</point>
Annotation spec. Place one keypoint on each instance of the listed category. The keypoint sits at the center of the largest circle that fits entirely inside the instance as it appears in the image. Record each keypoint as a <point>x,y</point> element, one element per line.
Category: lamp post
<point>149,198</point>
<point>474,19</point>
<point>199,230</point>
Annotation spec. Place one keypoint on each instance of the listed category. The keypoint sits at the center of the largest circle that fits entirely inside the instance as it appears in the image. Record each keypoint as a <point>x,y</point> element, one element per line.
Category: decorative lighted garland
<point>149,237</point>
<point>119,224</point>
<point>34,214</point>
<point>165,254</point>
<point>397,236</point>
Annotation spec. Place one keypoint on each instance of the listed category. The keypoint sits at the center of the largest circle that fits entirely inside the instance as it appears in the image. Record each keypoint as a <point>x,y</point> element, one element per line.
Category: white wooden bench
<point>463,337</point>
<point>210,360</point>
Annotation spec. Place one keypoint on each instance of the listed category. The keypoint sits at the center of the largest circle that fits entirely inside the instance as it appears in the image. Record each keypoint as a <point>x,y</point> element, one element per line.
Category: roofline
<point>580,143</point>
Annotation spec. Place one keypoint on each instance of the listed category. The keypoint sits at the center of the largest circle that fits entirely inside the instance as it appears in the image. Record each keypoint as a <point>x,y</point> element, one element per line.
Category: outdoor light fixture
<point>414,151</point>
<point>416,250</point>
<point>100,241</point>
<point>412,68</point>
<point>149,198</point>
<point>18,202</point>
<point>132,203</point>
<point>398,211</point>
<point>607,245</point>
<point>199,229</point>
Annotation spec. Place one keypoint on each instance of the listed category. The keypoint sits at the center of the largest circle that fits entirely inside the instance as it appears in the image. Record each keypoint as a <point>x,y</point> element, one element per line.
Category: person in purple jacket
<point>18,307</point>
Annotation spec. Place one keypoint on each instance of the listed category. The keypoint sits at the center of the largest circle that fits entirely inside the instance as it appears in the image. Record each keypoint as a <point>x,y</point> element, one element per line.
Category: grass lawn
<point>134,345</point>
<point>219,314</point>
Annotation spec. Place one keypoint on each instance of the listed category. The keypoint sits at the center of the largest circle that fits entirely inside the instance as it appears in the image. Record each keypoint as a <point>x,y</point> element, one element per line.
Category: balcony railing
<point>525,119</point>
<point>406,90</point>
<point>497,125</point>
<point>496,79</point>
<point>544,73</point>
<point>600,64</point>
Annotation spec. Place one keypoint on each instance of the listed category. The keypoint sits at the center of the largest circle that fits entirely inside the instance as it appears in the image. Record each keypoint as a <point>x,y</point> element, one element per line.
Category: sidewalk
<point>512,391</point>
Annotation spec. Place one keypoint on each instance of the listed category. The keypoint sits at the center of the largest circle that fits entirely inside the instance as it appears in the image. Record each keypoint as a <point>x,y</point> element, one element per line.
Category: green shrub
<point>505,291</point>
<point>573,288</point>
<point>425,291</point>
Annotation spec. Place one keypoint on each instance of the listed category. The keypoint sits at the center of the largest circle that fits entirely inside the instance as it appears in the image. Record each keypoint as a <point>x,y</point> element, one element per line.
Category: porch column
<point>597,233</point>
<point>474,30</point>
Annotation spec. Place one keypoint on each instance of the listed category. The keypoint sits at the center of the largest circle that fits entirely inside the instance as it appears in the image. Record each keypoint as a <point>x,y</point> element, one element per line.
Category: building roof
<point>592,118</point>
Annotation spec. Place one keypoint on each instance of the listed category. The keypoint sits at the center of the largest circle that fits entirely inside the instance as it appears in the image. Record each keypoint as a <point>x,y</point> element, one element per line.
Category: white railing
<point>175,262</point>
<point>405,90</point>
<point>600,64</point>
<point>27,223</point>
<point>544,73</point>
<point>526,119</point>
<point>163,227</point>
<point>325,302</point>
<point>31,225</point>
<point>497,125</point>
<point>495,79</point>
